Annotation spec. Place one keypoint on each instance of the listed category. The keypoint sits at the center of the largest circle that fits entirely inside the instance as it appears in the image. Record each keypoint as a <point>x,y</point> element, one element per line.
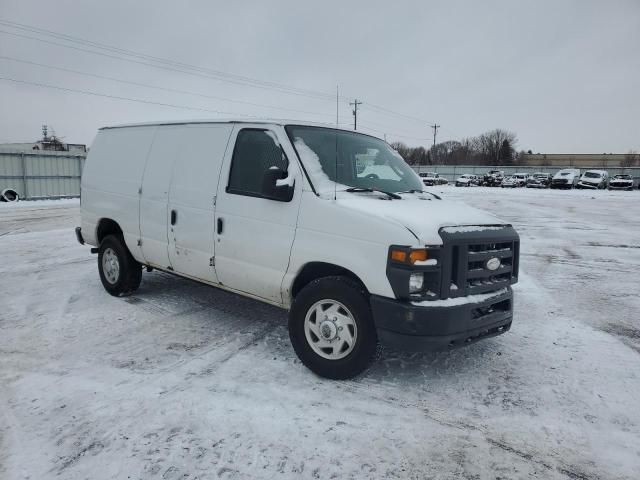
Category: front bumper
<point>615,186</point>
<point>444,325</point>
<point>592,186</point>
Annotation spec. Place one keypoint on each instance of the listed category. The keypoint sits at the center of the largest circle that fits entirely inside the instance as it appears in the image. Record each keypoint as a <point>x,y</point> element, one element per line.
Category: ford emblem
<point>493,264</point>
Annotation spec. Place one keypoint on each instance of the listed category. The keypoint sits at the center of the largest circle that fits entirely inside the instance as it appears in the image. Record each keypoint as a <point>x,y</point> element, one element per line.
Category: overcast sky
<point>563,75</point>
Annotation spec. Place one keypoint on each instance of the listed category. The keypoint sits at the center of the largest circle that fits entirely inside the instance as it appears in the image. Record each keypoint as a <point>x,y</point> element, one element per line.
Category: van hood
<point>421,214</point>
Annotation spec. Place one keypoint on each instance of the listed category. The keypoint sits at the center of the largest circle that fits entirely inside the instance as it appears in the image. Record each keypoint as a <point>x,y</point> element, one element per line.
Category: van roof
<point>259,121</point>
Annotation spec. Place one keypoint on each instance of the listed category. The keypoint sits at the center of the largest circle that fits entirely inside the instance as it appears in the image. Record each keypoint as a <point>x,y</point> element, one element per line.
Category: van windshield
<point>592,175</point>
<point>351,160</point>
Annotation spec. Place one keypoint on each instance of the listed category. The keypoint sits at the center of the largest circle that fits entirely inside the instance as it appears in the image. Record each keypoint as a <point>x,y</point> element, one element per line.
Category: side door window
<point>256,151</point>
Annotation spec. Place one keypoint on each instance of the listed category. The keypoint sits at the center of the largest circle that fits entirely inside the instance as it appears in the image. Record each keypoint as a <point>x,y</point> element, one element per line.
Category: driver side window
<point>255,152</point>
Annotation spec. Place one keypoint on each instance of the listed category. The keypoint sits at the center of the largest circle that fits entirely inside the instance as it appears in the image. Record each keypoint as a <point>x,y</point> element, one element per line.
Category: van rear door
<point>194,182</point>
<point>254,234</point>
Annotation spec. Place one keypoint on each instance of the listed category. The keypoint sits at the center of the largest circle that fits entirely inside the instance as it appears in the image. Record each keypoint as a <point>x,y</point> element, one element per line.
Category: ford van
<point>329,224</point>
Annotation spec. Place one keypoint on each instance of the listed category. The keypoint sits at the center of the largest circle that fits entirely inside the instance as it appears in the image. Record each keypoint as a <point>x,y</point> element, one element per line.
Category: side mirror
<point>275,190</point>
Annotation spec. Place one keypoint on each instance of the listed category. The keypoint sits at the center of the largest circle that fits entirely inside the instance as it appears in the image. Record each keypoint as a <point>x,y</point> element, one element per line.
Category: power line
<point>129,99</point>
<point>392,112</point>
<point>163,67</point>
<point>181,66</point>
<point>233,78</point>
<point>156,87</point>
<point>384,132</point>
<point>163,104</point>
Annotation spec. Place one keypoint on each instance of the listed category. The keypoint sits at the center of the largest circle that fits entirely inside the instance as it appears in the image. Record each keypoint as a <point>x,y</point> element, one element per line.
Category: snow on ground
<point>185,381</point>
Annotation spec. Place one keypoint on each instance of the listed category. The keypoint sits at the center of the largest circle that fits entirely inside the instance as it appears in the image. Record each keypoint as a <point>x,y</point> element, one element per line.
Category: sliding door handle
<point>220,225</point>
<point>174,217</point>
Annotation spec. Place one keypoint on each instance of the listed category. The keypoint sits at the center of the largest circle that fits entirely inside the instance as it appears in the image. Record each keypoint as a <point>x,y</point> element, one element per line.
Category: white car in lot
<point>431,179</point>
<point>594,179</point>
<point>621,182</point>
<point>515,180</point>
<point>467,180</point>
<point>355,250</point>
<point>566,178</point>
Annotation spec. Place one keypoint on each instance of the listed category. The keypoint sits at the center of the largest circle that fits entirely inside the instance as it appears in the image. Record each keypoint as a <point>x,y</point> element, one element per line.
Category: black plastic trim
<point>79,236</point>
<point>405,325</point>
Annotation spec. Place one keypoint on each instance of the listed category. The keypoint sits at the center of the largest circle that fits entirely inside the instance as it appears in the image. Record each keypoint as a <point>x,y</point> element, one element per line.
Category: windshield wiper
<point>359,189</point>
<point>413,190</point>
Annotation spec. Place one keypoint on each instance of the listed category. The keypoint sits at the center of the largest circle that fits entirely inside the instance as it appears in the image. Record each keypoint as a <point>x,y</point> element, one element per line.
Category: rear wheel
<point>331,328</point>
<point>120,273</point>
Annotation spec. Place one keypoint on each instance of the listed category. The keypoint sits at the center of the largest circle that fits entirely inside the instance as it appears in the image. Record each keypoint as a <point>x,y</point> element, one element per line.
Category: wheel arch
<point>314,270</point>
<point>107,226</point>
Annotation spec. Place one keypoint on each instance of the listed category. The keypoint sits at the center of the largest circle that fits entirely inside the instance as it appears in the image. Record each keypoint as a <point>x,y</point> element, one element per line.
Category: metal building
<point>42,173</point>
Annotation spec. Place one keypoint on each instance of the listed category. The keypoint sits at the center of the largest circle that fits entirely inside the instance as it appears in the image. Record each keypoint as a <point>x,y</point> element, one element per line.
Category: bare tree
<point>491,143</point>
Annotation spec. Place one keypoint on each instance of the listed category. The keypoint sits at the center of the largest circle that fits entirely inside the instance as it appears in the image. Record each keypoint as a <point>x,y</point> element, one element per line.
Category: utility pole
<point>435,127</point>
<point>355,104</point>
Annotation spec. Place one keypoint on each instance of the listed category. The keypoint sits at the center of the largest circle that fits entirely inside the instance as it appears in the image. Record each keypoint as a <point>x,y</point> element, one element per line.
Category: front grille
<point>468,273</point>
<point>560,181</point>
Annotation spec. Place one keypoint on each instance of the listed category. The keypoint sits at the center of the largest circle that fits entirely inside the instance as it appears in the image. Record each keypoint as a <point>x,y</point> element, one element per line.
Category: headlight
<point>416,282</point>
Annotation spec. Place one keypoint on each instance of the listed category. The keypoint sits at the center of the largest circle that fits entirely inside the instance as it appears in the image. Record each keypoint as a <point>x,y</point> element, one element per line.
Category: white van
<point>330,224</point>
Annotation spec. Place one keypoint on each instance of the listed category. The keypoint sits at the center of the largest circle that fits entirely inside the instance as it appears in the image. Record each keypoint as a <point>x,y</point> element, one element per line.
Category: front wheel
<point>120,273</point>
<point>331,328</point>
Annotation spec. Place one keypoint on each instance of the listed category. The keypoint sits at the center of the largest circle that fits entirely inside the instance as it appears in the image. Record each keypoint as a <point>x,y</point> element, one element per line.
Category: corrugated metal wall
<point>451,172</point>
<point>42,174</point>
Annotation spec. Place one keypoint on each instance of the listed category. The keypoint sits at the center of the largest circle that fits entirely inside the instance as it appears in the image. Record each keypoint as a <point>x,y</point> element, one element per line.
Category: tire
<point>9,195</point>
<point>350,301</point>
<point>120,273</point>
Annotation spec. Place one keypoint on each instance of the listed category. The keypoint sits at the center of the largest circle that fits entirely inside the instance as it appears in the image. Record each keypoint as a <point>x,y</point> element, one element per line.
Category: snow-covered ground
<point>185,381</point>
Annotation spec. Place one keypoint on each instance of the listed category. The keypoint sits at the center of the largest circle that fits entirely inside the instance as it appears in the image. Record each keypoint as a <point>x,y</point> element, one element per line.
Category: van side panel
<point>194,184</point>
<point>111,179</point>
<point>155,195</point>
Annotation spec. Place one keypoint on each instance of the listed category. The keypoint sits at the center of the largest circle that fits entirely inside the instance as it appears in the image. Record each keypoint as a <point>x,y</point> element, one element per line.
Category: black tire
<point>129,274</point>
<point>355,299</point>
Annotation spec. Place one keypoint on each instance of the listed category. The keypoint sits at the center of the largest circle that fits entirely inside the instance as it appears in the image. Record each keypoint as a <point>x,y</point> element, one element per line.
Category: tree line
<point>496,147</point>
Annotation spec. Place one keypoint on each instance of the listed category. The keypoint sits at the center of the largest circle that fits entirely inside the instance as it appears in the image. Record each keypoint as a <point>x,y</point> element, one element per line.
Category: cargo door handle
<point>174,217</point>
<point>220,226</point>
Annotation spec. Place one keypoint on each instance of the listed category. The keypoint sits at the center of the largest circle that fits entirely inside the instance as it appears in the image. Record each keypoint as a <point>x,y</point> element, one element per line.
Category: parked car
<point>539,180</point>
<point>493,178</point>
<point>515,180</point>
<point>430,179</point>
<point>468,180</point>
<point>566,178</point>
<point>509,182</point>
<point>595,179</point>
<point>621,182</point>
<point>260,209</point>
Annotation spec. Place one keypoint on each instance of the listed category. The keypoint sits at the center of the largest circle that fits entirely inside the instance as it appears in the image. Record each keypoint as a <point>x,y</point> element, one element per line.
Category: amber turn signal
<point>418,255</point>
<point>413,256</point>
<point>399,256</point>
